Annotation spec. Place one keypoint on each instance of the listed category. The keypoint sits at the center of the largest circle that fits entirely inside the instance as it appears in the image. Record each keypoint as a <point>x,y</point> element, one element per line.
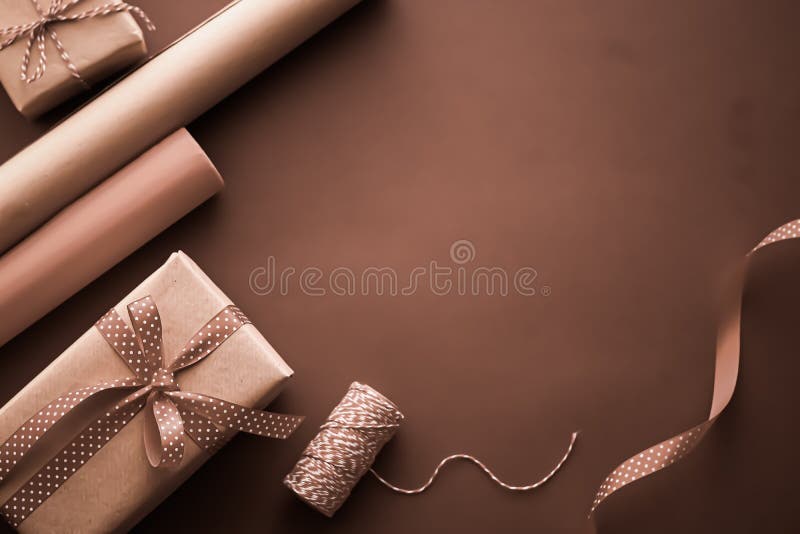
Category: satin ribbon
<point>39,30</point>
<point>171,413</point>
<point>671,450</point>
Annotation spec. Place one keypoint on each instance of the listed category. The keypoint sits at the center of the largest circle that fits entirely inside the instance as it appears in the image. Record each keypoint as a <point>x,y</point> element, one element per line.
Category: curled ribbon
<point>39,30</point>
<point>671,450</point>
<point>171,413</point>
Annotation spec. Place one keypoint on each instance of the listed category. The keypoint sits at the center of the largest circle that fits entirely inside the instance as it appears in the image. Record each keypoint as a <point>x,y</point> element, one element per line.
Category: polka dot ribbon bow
<point>671,450</point>
<point>171,414</point>
<point>37,31</point>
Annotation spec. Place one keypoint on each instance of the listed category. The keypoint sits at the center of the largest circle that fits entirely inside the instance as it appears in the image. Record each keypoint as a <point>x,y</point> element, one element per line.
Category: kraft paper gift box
<point>117,486</point>
<point>98,47</point>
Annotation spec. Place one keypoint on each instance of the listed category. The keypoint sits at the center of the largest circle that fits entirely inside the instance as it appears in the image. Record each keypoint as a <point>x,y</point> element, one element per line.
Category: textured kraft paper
<point>98,230</point>
<point>99,47</point>
<point>164,94</point>
<point>118,487</point>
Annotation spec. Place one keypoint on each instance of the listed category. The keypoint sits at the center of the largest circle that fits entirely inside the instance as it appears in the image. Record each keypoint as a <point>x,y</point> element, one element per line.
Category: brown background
<point>629,151</point>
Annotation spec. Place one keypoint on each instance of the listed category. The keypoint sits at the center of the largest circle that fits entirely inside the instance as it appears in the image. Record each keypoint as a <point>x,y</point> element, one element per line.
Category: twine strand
<point>346,446</point>
<point>485,469</point>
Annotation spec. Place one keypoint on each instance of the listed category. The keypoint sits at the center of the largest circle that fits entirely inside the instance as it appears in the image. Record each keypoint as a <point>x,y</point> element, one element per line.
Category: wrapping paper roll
<point>101,228</point>
<point>164,94</point>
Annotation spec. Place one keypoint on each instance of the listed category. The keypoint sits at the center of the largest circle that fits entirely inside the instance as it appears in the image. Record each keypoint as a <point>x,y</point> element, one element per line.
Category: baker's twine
<point>347,444</point>
<point>37,31</point>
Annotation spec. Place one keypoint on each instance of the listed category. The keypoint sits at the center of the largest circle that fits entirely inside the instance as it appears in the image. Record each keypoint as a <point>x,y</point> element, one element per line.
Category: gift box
<point>78,52</point>
<point>111,487</point>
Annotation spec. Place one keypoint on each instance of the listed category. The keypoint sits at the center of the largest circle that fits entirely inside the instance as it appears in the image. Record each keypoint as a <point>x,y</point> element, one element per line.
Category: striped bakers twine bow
<point>37,31</point>
<point>671,450</point>
<point>346,446</point>
<point>171,414</point>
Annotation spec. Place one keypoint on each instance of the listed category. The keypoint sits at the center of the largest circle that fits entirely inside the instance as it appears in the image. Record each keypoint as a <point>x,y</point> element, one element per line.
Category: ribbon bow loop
<point>213,419</point>
<point>39,30</point>
<point>163,431</point>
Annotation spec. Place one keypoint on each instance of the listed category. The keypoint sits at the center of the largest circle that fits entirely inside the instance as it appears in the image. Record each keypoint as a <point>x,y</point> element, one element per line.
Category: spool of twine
<point>344,449</point>
<point>347,444</point>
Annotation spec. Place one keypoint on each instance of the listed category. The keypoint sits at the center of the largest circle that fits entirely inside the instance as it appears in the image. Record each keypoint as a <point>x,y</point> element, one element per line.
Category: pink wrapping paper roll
<point>101,228</point>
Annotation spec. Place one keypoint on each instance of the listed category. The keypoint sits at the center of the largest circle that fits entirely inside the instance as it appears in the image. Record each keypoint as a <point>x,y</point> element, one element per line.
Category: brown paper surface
<point>161,96</point>
<point>98,230</point>
<point>98,47</point>
<point>117,487</point>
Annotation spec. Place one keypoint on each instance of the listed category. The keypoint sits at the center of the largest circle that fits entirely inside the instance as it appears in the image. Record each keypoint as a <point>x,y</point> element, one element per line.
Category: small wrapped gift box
<point>138,403</point>
<point>51,50</point>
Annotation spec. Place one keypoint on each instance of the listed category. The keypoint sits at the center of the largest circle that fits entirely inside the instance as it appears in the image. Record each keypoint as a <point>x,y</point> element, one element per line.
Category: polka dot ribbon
<point>671,450</point>
<point>171,414</point>
<point>36,33</point>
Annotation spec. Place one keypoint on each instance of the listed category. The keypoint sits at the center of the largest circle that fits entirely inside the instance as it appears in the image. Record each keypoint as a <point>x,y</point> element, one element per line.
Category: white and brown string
<point>346,446</point>
<point>37,32</point>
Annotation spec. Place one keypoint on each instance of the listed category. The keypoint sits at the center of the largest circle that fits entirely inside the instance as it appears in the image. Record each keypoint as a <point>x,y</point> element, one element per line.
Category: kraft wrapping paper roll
<point>164,94</point>
<point>101,228</point>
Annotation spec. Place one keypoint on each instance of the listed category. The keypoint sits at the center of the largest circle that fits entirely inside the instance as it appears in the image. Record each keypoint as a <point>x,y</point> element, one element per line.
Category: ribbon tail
<point>69,460</point>
<point>650,460</point>
<point>204,432</point>
<point>20,443</point>
<point>726,372</point>
<point>236,417</point>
